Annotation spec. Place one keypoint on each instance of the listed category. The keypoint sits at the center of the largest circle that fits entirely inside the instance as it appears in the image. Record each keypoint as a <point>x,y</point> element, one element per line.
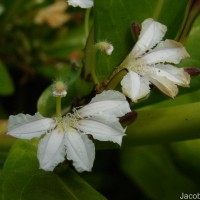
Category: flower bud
<point>135,29</point>
<point>192,71</point>
<point>104,46</point>
<point>59,89</point>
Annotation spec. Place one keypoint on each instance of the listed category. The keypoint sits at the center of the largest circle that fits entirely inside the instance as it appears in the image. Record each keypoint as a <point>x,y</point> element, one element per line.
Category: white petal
<point>27,126</point>
<point>134,86</point>
<point>103,128</point>
<point>165,85</point>
<point>151,33</point>
<point>51,150</point>
<point>81,3</point>
<point>80,150</point>
<point>167,51</point>
<point>174,74</point>
<point>108,102</point>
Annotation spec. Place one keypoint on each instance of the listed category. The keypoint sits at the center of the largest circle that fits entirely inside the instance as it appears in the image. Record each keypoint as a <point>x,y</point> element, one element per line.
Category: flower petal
<point>174,74</point>
<point>51,150</point>
<point>108,102</point>
<point>134,86</point>
<point>80,150</point>
<point>27,126</point>
<point>151,33</point>
<point>81,3</point>
<point>103,128</point>
<point>164,85</point>
<point>166,51</point>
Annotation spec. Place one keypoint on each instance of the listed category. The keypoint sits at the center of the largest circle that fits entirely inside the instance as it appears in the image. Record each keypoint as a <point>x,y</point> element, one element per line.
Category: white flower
<point>81,3</point>
<point>68,135</point>
<point>149,62</point>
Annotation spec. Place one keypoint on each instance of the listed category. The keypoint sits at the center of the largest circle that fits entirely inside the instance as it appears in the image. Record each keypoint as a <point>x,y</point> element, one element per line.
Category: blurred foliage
<point>44,40</point>
<point>40,41</point>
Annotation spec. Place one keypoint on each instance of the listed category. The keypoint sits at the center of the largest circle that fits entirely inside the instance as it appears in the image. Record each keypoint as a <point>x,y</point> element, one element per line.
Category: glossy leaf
<point>190,97</point>
<point>21,179</point>
<point>152,169</point>
<point>186,157</point>
<point>165,125</point>
<point>6,84</point>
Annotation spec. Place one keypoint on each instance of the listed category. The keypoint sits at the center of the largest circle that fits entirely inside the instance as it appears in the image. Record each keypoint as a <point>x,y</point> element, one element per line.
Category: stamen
<point>76,113</point>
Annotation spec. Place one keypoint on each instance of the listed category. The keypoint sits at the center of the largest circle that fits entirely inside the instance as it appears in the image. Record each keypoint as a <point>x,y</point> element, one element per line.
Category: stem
<point>93,67</point>
<point>86,21</point>
<point>193,13</point>
<point>114,81</point>
<point>118,73</point>
<point>58,106</point>
<point>90,58</point>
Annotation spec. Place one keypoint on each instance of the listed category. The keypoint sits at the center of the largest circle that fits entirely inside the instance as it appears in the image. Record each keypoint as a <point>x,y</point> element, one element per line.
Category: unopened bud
<point>192,71</point>
<point>135,29</point>
<point>129,118</point>
<point>104,46</point>
<point>59,89</point>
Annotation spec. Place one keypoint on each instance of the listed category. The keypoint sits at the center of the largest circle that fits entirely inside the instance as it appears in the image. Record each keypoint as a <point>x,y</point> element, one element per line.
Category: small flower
<point>104,46</point>
<point>68,135</point>
<point>149,62</point>
<point>81,3</point>
<point>59,89</point>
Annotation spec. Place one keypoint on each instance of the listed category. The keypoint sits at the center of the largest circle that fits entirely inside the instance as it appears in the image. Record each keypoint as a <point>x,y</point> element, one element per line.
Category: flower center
<point>69,121</point>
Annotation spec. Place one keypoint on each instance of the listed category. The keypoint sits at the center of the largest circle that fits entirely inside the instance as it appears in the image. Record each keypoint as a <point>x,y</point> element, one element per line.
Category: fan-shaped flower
<point>149,62</point>
<point>68,135</point>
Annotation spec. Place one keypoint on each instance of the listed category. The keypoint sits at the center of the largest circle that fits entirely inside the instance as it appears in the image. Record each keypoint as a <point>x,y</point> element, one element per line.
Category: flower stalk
<point>58,106</point>
<point>87,21</point>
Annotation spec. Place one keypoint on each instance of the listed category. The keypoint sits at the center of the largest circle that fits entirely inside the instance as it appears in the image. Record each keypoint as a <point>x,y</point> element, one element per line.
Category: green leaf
<point>3,155</point>
<point>113,19</point>
<point>165,125</point>
<point>21,179</point>
<point>186,157</point>
<point>6,84</point>
<point>190,97</point>
<point>152,169</point>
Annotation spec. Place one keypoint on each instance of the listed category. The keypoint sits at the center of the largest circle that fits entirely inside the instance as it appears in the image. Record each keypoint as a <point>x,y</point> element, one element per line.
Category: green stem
<point>90,58</point>
<point>93,66</point>
<point>119,73</point>
<point>115,80</point>
<point>86,21</point>
<point>194,11</point>
<point>58,106</point>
